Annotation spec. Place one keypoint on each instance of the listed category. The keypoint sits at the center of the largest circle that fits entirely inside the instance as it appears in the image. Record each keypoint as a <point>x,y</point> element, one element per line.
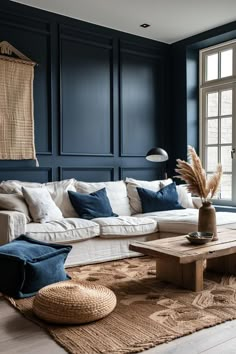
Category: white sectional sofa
<point>101,239</point>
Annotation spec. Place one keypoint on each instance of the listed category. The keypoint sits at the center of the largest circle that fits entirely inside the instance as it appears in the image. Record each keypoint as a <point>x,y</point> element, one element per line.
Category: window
<point>218,115</point>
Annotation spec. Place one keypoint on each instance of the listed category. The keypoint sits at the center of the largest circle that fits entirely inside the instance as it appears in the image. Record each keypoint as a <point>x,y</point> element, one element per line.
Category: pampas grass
<point>195,176</point>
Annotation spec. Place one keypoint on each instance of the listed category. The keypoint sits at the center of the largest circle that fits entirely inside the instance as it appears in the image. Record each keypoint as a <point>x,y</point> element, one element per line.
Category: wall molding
<point>88,39</point>
<point>141,169</point>
<point>85,168</point>
<point>89,123</point>
<point>48,170</point>
<point>137,51</point>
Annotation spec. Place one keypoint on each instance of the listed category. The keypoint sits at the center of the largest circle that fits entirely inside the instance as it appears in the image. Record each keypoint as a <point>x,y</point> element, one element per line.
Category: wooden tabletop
<point>181,250</point>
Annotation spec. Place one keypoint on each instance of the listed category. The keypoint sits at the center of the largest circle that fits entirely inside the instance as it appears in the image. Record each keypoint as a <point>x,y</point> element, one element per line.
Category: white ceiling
<point>170,20</point>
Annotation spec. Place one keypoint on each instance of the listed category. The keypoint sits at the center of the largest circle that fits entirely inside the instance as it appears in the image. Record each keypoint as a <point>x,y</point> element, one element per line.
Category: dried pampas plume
<point>195,176</point>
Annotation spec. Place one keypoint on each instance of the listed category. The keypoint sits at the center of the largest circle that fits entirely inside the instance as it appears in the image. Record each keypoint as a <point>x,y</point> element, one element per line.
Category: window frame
<point>219,84</point>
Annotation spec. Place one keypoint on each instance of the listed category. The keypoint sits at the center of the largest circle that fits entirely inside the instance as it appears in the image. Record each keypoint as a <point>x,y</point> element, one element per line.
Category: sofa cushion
<point>184,197</point>
<point>27,265</point>
<point>164,199</point>
<point>41,206</point>
<point>125,226</point>
<point>132,185</point>
<point>176,221</point>
<point>116,192</point>
<point>93,205</point>
<point>14,202</point>
<point>59,193</point>
<point>64,230</point>
<point>185,220</point>
<point>15,186</point>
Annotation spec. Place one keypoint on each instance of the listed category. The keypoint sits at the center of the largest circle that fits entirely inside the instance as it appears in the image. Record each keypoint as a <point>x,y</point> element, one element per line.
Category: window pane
<point>212,131</point>
<point>212,158</point>
<point>212,67</point>
<point>226,131</point>
<point>226,102</point>
<point>226,187</point>
<point>212,104</point>
<point>226,68</point>
<point>226,158</point>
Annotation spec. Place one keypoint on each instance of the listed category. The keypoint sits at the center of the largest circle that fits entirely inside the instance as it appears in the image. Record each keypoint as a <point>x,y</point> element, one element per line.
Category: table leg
<point>189,276</point>
<point>223,265</point>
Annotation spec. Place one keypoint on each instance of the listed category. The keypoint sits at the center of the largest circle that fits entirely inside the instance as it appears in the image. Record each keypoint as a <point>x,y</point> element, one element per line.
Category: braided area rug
<point>148,312</point>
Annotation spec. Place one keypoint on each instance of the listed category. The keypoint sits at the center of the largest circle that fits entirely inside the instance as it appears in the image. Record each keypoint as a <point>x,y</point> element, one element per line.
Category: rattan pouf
<point>69,302</point>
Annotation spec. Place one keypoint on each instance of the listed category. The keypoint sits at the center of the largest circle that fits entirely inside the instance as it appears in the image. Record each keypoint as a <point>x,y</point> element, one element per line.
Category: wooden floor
<point>18,335</point>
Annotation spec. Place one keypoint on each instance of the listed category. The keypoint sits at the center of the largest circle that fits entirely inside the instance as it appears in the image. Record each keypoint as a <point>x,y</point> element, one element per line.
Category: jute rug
<point>148,313</point>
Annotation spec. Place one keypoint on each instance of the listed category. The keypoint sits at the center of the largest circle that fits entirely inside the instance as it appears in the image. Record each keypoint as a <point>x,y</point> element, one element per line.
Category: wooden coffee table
<point>182,263</point>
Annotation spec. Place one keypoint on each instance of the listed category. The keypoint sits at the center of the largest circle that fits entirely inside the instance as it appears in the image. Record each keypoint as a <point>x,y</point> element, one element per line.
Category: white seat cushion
<point>116,193</point>
<point>65,230</point>
<point>185,220</point>
<point>176,221</point>
<point>125,226</point>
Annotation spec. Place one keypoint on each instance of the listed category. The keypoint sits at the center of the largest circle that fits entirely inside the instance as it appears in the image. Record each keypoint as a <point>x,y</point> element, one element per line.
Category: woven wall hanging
<point>16,105</point>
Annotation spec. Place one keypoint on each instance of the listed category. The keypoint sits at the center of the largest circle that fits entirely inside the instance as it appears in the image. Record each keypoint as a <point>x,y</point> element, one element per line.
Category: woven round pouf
<point>73,303</point>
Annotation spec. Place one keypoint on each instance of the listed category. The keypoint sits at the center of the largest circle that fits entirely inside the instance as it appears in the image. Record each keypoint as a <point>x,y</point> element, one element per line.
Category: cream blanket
<point>16,110</point>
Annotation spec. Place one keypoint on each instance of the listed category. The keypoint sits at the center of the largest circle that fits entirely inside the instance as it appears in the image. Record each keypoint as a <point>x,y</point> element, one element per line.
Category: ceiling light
<point>145,25</point>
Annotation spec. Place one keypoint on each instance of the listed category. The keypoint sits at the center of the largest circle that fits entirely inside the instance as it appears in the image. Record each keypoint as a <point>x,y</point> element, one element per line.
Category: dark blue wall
<point>100,98</point>
<point>185,87</point>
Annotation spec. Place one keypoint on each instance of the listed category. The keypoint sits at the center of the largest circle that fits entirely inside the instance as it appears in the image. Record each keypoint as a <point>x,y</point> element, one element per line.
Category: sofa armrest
<point>12,225</point>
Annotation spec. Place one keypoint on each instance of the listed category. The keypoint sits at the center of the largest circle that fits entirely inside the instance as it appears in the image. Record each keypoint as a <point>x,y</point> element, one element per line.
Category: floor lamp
<point>157,154</point>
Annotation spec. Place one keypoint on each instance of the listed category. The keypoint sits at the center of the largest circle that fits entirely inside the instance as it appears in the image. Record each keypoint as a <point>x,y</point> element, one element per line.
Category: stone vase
<point>207,219</point>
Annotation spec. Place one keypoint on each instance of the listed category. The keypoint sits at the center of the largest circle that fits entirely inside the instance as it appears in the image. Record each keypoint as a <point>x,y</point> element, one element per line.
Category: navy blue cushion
<point>27,265</point>
<point>93,205</point>
<point>164,199</point>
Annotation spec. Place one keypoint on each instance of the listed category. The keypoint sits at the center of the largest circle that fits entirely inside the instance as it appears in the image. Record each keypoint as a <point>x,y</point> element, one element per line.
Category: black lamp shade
<point>157,154</point>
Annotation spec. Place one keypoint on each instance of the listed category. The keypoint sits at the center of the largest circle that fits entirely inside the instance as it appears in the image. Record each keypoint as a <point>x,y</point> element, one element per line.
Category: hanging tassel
<point>37,162</point>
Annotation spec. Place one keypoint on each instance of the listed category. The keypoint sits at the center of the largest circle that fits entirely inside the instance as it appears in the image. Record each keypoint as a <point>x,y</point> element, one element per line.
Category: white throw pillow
<point>41,206</point>
<point>116,193</point>
<point>132,185</point>
<point>59,193</point>
<point>184,197</point>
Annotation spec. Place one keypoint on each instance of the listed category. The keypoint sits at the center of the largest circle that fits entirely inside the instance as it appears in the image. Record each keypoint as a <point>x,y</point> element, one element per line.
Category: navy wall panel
<point>89,174</point>
<point>99,97</point>
<point>145,173</point>
<point>41,174</point>
<point>86,77</point>
<point>140,99</point>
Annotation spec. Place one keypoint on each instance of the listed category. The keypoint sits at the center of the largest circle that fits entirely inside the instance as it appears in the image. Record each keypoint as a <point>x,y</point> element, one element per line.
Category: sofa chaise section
<point>184,221</point>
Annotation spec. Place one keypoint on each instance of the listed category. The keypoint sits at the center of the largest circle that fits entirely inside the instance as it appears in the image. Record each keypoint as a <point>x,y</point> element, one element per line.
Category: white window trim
<point>208,86</point>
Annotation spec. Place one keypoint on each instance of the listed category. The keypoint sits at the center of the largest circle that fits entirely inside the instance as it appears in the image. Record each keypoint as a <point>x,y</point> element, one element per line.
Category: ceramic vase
<point>207,219</point>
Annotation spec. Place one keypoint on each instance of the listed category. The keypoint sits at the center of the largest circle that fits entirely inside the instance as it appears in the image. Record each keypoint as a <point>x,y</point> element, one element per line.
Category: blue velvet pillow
<point>164,199</point>
<point>93,205</point>
<point>27,265</point>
